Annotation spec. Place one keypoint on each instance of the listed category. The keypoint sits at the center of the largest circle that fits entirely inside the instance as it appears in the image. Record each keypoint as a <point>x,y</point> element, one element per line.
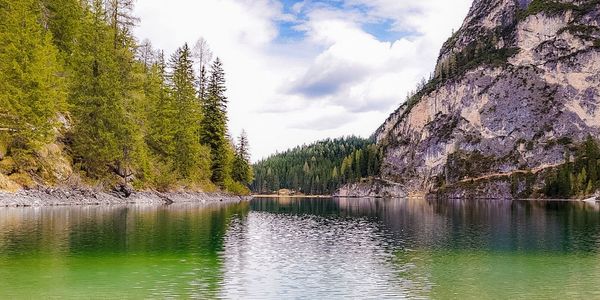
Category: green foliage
<point>463,165</point>
<point>483,51</point>
<point>162,177</point>
<point>522,185</point>
<point>579,29</point>
<point>548,7</point>
<point>64,21</point>
<point>577,178</point>
<point>32,91</point>
<point>319,168</point>
<point>361,163</point>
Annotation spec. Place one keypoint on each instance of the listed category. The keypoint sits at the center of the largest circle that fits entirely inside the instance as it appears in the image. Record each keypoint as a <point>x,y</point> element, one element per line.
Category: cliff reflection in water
<point>462,224</point>
<point>442,249</point>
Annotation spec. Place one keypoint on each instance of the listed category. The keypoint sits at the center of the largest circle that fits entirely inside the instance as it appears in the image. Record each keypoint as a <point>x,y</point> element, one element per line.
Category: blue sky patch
<point>288,32</point>
<point>382,29</point>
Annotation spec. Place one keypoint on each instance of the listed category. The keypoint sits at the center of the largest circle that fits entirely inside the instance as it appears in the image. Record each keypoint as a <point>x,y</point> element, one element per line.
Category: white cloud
<point>337,80</point>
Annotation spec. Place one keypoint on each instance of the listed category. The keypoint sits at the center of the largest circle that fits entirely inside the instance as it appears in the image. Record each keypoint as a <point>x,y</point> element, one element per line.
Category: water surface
<point>304,248</point>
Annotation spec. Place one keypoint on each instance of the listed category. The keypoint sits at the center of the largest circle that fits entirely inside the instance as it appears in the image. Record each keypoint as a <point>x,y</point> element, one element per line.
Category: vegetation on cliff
<point>81,101</point>
<point>579,176</point>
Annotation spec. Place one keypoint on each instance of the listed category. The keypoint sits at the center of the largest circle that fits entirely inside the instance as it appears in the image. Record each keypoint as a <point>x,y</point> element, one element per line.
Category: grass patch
<point>8,185</point>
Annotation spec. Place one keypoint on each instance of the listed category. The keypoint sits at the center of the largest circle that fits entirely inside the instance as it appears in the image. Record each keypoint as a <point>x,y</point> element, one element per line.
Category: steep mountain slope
<point>516,90</point>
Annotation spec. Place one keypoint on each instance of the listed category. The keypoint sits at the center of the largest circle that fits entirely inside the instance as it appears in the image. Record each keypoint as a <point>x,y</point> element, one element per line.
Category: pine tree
<point>581,182</point>
<point>214,123</point>
<point>242,171</point>
<point>592,155</point>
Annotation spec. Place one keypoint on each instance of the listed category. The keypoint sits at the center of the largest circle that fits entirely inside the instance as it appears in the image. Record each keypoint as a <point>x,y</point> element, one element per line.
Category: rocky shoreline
<point>81,197</point>
<point>376,188</point>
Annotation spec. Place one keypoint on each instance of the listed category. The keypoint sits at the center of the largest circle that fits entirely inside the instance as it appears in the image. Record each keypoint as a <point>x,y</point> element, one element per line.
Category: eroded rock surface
<point>515,87</point>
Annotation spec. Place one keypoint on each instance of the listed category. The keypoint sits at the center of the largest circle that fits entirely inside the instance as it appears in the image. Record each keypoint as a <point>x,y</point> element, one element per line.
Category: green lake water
<point>303,249</point>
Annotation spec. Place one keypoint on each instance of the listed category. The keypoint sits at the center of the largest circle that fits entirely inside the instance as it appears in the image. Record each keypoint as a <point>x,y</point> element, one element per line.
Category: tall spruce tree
<point>214,123</point>
<point>191,159</point>
<point>106,138</point>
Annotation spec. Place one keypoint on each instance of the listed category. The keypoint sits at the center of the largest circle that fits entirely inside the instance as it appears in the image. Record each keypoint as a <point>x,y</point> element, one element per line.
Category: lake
<point>304,248</point>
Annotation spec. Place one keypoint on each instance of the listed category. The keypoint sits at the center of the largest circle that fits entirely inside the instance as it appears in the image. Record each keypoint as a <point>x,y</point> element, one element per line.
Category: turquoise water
<point>304,248</point>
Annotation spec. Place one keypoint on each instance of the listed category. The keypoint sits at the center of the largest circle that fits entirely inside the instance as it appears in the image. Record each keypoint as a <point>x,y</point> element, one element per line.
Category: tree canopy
<point>319,168</point>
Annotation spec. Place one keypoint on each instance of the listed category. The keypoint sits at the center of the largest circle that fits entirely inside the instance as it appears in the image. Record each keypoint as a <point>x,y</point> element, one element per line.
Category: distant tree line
<point>319,168</point>
<point>71,73</point>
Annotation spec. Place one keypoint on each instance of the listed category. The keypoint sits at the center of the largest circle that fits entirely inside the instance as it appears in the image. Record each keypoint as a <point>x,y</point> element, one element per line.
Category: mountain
<point>513,109</point>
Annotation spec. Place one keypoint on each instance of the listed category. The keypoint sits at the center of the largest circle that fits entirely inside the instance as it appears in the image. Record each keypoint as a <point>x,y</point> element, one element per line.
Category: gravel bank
<point>63,197</point>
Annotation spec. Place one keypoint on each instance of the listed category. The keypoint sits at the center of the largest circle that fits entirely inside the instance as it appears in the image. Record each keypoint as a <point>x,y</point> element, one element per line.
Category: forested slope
<point>83,103</point>
<point>319,168</point>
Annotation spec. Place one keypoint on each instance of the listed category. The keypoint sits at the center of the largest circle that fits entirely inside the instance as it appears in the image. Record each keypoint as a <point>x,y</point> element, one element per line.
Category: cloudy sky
<point>303,70</point>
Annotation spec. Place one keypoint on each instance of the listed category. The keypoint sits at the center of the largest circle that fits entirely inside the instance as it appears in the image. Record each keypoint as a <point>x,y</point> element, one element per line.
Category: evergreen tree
<point>121,19</point>
<point>190,157</point>
<point>578,177</point>
<point>105,138</point>
<point>242,171</point>
<point>162,114</point>
<point>214,123</point>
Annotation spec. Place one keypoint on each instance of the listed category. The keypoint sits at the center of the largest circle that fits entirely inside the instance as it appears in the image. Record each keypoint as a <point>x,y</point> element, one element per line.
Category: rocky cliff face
<point>514,89</point>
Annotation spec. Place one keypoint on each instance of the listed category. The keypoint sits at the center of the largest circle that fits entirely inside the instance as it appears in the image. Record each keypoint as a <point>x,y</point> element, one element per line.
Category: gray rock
<point>497,120</point>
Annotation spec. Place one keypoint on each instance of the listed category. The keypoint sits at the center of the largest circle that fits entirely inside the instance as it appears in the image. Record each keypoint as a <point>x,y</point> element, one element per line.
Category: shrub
<point>236,188</point>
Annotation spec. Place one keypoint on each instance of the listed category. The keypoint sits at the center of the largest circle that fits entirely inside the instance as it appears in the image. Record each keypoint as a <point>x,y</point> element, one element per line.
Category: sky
<point>299,71</point>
